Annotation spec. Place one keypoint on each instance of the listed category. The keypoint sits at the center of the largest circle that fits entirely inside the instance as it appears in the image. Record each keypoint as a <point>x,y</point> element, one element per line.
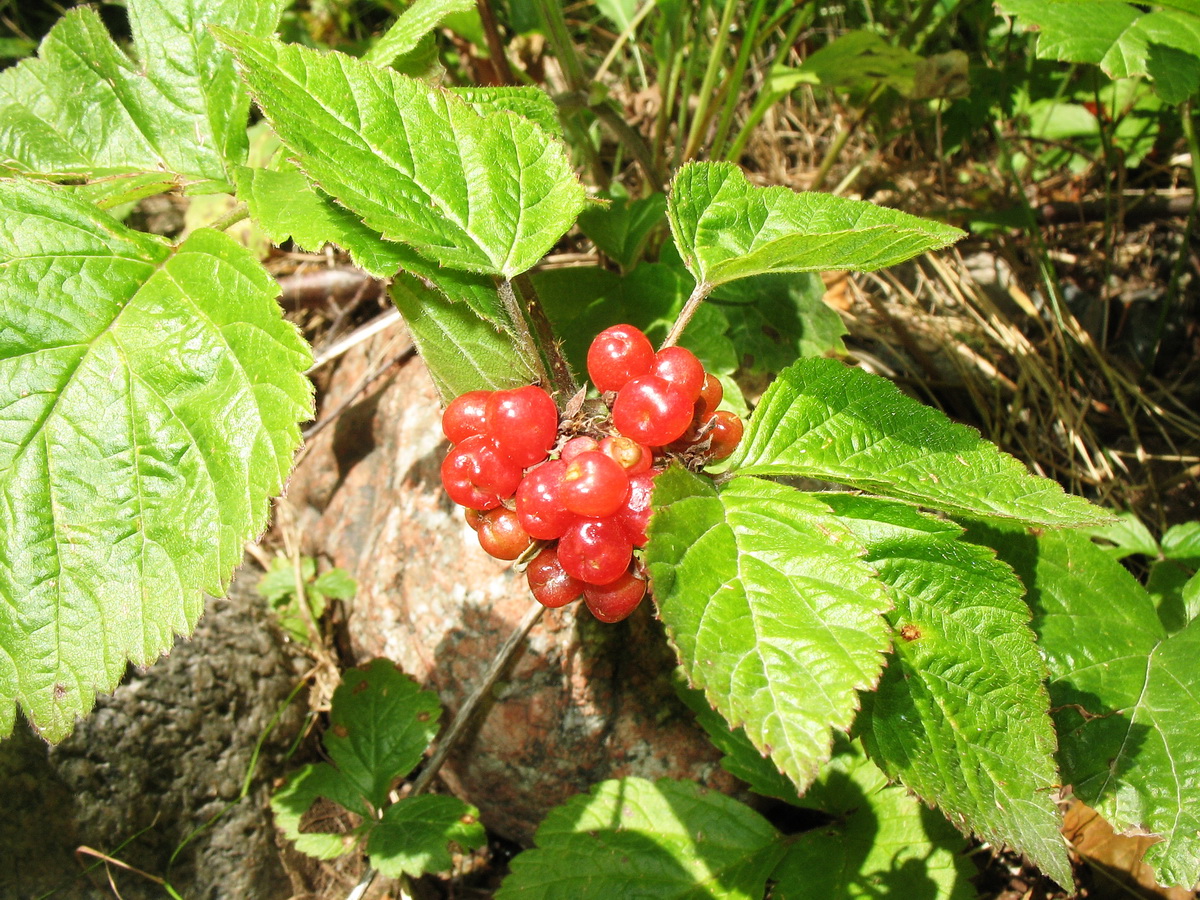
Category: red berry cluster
<point>590,503</point>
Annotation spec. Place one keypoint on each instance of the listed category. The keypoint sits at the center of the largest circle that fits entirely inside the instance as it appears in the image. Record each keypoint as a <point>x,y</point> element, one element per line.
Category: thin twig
<point>235,215</point>
<point>353,339</point>
<point>466,712</point>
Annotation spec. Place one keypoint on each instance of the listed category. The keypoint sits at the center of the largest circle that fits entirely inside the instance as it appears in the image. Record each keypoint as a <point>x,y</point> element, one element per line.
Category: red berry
<point>465,416</point>
<point>615,601</point>
<point>577,445</point>
<point>726,433</point>
<point>476,474</point>
<point>595,551</point>
<point>551,585</point>
<point>539,502</point>
<point>523,423</point>
<point>679,366</point>
<point>652,411</point>
<point>628,453</point>
<point>710,397</point>
<point>501,534</point>
<point>473,517</point>
<point>634,516</point>
<point>618,354</point>
<point>594,485</point>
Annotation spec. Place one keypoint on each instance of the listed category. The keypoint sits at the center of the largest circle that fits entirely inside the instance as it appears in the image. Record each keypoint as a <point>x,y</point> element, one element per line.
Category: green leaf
<point>726,228</point>
<point>286,205</point>
<point>420,18</point>
<point>1182,542</point>
<point>632,838</point>
<point>822,419</point>
<point>771,609</point>
<point>462,351</point>
<point>528,102</point>
<point>85,108</point>
<point>1119,37</point>
<point>1126,696</point>
<point>855,59</point>
<point>776,319</point>
<point>279,581</point>
<point>885,843</point>
<point>336,583</point>
<point>961,715</point>
<point>741,758</point>
<point>621,229</point>
<point>1127,536</point>
<point>413,836</point>
<point>488,194</point>
<point>379,726</point>
<point>300,792</point>
<point>151,397</point>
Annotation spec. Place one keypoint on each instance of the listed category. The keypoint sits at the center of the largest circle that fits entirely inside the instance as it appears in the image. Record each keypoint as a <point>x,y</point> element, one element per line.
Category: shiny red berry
<point>595,551</point>
<point>652,411</point>
<point>618,354</point>
<point>476,474</point>
<point>710,397</point>
<point>634,516</point>
<point>615,601</point>
<point>540,504</point>
<point>551,585</point>
<point>577,445</point>
<point>523,423</point>
<point>466,416</point>
<point>679,366</point>
<point>727,431</point>
<point>594,485</point>
<point>501,534</point>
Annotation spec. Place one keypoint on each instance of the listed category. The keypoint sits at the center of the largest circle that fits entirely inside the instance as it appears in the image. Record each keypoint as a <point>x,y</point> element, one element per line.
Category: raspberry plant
<point>152,394</point>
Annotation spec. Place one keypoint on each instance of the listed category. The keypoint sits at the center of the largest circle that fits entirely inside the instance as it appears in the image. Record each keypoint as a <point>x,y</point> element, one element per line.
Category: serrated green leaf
<point>414,835</point>
<point>380,725</point>
<point>822,419</point>
<point>336,583</point>
<point>1119,37</point>
<point>638,840</point>
<point>85,108</point>
<point>726,228</point>
<point>421,17</point>
<point>528,102</point>
<point>488,194</point>
<point>151,397</point>
<point>279,581</point>
<point>776,319</point>
<point>961,715</point>
<point>1125,537</point>
<point>854,59</point>
<point>886,843</point>
<point>286,205</point>
<point>771,609</point>
<point>621,229</point>
<point>297,796</point>
<point>1126,696</point>
<point>741,758</point>
<point>462,351</point>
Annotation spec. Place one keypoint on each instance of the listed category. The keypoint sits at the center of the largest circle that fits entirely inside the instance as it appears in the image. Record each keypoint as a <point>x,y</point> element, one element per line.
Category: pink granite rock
<point>584,702</point>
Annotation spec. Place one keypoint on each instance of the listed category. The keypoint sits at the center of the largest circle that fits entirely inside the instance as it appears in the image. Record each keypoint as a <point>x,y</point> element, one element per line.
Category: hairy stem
<point>235,215</point>
<point>560,371</point>
<point>520,332</point>
<point>702,290</point>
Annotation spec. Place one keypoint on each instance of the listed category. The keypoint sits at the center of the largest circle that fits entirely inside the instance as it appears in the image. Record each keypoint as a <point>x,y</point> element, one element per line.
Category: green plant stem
<point>1187,119</point>
<point>703,117</point>
<point>564,379</point>
<point>733,94</point>
<point>694,54</point>
<point>702,290</point>
<point>526,345</point>
<point>231,218</point>
<point>644,10</point>
<point>843,136</point>
<point>767,97</point>
<point>561,43</point>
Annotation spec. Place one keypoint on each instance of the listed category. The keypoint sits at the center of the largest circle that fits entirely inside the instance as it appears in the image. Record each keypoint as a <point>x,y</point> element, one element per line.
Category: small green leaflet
<point>530,103</point>
<point>84,108</point>
<point>1121,38</point>
<point>961,715</point>
<point>621,229</point>
<point>726,228</point>
<point>381,722</point>
<point>641,840</point>
<point>1126,694</point>
<point>421,17</point>
<point>884,843</point>
<point>151,401</point>
<point>488,194</point>
<point>462,351</point>
<point>822,419</point>
<point>751,580</point>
